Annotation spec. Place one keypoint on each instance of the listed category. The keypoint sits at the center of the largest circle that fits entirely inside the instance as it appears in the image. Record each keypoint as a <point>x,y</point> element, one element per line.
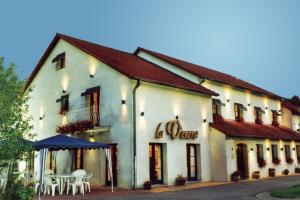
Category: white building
<point>157,114</point>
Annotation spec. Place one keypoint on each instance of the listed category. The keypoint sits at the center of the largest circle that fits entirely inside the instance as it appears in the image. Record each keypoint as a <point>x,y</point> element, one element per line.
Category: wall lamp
<point>91,135</point>
<point>268,149</point>
<point>281,149</point>
<point>123,101</point>
<point>142,114</point>
<point>177,117</point>
<point>266,108</point>
<point>91,75</point>
<point>249,104</point>
<point>42,117</point>
<point>204,120</point>
<point>228,100</point>
<point>294,149</point>
<point>251,149</point>
<point>64,91</point>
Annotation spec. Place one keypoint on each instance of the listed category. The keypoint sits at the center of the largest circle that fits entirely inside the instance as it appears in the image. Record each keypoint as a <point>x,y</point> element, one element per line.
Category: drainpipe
<point>138,84</point>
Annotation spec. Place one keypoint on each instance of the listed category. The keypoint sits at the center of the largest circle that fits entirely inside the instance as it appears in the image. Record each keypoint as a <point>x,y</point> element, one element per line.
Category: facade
<point>163,117</point>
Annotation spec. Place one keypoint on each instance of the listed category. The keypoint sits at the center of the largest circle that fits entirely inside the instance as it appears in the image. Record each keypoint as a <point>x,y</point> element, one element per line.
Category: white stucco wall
<point>75,79</point>
<point>296,122</point>
<point>162,104</point>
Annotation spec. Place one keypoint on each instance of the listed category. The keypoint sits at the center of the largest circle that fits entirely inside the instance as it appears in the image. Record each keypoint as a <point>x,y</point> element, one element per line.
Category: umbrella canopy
<point>63,142</point>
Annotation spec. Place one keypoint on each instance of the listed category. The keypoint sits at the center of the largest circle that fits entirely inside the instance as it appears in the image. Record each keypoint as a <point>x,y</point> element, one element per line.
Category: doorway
<point>242,161</point>
<point>155,163</point>
<point>191,150</point>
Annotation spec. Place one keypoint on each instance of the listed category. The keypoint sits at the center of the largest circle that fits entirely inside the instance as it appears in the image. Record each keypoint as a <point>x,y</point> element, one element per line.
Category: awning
<point>90,90</point>
<point>233,128</point>
<point>241,107</point>
<point>276,112</point>
<point>260,110</point>
<point>63,142</point>
<point>59,57</point>
<point>218,102</point>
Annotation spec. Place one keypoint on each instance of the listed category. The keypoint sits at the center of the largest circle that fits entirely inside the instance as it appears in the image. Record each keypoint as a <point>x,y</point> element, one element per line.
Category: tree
<point>295,100</point>
<point>15,125</point>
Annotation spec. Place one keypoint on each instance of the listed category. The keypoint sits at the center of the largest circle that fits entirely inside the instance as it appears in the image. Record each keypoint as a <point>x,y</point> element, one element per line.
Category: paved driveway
<point>238,191</point>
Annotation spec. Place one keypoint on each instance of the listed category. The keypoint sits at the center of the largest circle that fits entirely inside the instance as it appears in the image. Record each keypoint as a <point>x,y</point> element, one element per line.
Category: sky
<point>257,41</point>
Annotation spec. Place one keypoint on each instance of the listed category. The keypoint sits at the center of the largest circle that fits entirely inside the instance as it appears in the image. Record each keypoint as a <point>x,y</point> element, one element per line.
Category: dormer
<point>59,61</point>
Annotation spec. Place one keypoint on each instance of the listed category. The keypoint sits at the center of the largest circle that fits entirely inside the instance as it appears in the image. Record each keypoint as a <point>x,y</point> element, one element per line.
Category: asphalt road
<point>235,191</point>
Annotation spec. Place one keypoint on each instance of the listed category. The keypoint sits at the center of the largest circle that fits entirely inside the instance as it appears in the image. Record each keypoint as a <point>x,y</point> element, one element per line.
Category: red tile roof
<point>292,107</point>
<point>209,74</point>
<point>126,63</point>
<point>251,130</point>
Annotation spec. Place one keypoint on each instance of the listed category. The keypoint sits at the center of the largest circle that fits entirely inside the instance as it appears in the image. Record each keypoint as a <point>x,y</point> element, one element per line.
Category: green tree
<point>14,125</point>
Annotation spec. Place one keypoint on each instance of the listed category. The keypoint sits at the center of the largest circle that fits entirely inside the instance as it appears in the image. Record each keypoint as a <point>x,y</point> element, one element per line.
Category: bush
<point>180,180</point>
<point>272,172</point>
<point>256,175</point>
<point>285,172</point>
<point>297,170</point>
<point>235,176</point>
<point>147,185</point>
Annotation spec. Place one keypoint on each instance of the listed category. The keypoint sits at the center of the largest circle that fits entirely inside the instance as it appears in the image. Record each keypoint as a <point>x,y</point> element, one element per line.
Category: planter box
<point>147,186</point>
<point>297,170</point>
<point>180,181</point>
<point>272,172</point>
<point>256,175</point>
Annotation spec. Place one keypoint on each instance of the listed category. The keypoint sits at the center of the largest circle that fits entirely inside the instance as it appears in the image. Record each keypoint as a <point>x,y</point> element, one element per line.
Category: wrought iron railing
<point>99,116</point>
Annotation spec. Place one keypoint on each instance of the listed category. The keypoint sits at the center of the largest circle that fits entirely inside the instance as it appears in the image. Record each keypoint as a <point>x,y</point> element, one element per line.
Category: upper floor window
<point>239,111</point>
<point>288,157</point>
<point>59,61</point>
<point>216,108</point>
<point>258,115</point>
<point>274,153</point>
<point>64,104</point>
<point>298,153</point>
<point>260,152</point>
<point>92,97</point>
<point>275,115</point>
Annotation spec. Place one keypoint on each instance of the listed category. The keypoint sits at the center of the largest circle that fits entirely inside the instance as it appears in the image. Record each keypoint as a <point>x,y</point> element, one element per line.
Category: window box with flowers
<point>261,163</point>
<point>276,161</point>
<point>76,127</point>
<point>290,160</point>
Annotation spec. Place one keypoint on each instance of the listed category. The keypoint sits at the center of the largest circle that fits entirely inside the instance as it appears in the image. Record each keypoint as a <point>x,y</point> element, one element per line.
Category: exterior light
<point>91,135</point>
<point>249,104</point>
<point>142,114</point>
<point>64,91</point>
<point>294,149</point>
<point>91,75</point>
<point>268,149</point>
<point>228,100</point>
<point>177,117</point>
<point>42,117</point>
<point>251,149</point>
<point>123,101</point>
<point>281,149</point>
<point>204,120</point>
<point>266,108</point>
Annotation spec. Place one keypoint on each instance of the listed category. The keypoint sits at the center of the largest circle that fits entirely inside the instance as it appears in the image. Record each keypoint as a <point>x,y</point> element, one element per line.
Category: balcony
<point>82,118</point>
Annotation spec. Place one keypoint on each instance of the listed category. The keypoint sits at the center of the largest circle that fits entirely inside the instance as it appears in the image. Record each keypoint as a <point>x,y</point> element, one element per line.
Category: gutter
<point>138,84</point>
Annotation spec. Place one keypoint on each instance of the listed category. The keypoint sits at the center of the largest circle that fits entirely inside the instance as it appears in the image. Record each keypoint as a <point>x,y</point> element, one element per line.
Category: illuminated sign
<point>174,129</point>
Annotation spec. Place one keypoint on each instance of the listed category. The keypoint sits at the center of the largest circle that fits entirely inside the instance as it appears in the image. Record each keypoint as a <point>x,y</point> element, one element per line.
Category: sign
<point>174,129</point>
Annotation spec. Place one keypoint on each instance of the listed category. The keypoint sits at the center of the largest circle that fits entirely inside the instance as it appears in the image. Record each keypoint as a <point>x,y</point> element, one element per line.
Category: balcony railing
<point>99,116</point>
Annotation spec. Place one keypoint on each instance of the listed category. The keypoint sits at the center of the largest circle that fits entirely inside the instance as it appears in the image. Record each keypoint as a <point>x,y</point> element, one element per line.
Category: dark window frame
<point>298,153</point>
<point>274,148</point>
<point>287,151</point>
<point>260,152</point>
<point>76,154</point>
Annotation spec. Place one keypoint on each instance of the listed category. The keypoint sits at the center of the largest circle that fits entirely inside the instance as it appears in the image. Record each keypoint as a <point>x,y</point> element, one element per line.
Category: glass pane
<point>157,150</point>
<point>192,150</point>
<point>193,171</point>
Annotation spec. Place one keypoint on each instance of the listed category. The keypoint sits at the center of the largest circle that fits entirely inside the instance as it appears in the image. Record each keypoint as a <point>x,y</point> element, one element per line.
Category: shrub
<point>297,170</point>
<point>256,175</point>
<point>235,176</point>
<point>272,172</point>
<point>147,185</point>
<point>180,180</point>
<point>285,172</point>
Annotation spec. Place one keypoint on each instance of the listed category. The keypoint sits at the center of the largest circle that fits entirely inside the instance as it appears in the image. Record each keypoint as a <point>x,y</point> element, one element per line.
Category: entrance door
<point>155,163</point>
<point>242,161</point>
<point>191,162</point>
<point>114,160</point>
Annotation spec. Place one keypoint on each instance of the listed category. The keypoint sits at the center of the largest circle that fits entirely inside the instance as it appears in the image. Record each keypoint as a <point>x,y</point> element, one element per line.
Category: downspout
<point>138,84</point>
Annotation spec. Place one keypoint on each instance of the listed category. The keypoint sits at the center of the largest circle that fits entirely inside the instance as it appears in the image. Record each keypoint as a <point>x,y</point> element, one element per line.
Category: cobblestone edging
<point>267,196</point>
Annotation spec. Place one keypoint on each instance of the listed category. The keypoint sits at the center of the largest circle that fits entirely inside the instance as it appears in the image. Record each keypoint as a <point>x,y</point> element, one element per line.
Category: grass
<point>291,192</point>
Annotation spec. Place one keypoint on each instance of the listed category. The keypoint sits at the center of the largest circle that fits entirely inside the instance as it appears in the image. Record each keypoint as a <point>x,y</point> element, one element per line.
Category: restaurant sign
<point>174,129</point>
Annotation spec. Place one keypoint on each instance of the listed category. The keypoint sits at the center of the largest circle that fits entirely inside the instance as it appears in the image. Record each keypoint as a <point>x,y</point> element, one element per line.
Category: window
<point>216,108</point>
<point>298,152</point>
<point>260,152</point>
<point>59,61</point>
<point>239,111</point>
<point>274,152</point>
<point>275,115</point>
<point>156,163</point>
<point>92,97</point>
<point>287,151</point>
<point>64,104</point>
<point>258,115</point>
<point>192,161</point>
<point>79,159</point>
<point>51,161</point>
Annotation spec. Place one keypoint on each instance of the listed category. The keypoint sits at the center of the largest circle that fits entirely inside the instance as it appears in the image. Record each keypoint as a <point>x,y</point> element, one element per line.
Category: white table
<point>62,178</point>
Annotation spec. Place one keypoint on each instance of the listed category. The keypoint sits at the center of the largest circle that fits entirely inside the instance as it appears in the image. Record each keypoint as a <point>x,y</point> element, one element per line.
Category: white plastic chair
<point>36,182</point>
<point>76,181</point>
<point>50,183</point>
<point>86,182</point>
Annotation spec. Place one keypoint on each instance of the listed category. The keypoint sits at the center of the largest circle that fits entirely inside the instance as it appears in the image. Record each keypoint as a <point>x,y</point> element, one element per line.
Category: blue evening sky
<point>258,41</point>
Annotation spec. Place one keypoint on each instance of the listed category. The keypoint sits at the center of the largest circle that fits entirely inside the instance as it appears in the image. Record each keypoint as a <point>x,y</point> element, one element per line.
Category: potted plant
<point>235,176</point>
<point>256,175</point>
<point>258,121</point>
<point>262,163</point>
<point>272,172</point>
<point>147,185</point>
<point>285,172</point>
<point>276,161</point>
<point>180,180</point>
<point>297,170</point>
<point>289,160</point>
